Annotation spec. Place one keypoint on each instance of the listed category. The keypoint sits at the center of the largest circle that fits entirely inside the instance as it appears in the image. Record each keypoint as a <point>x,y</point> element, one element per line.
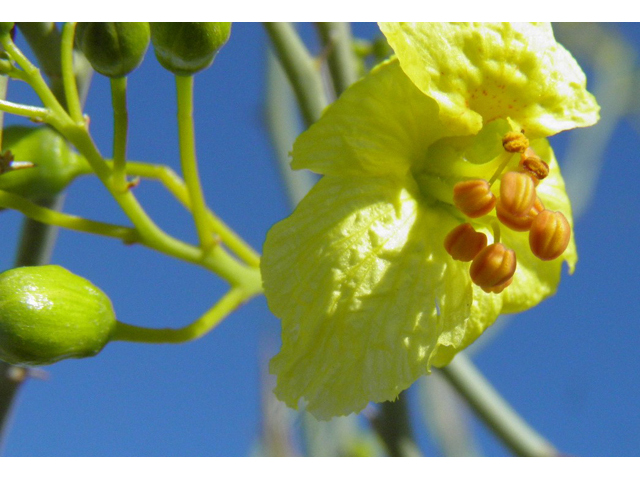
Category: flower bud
<point>517,193</point>
<point>55,166</point>
<point>474,198</point>
<point>515,142</point>
<point>114,49</point>
<point>185,48</point>
<point>549,235</point>
<point>493,266</point>
<point>48,314</point>
<point>464,243</point>
<point>518,223</point>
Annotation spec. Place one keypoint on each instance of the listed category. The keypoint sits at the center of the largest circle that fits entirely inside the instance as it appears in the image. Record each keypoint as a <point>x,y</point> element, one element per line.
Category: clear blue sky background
<point>569,366</point>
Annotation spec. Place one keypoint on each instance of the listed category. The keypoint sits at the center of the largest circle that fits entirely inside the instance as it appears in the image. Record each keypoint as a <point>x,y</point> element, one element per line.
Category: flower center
<point>517,208</point>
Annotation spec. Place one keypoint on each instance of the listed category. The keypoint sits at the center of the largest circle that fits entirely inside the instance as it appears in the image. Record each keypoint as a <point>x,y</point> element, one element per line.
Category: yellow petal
<point>480,72</point>
<point>365,290</point>
<point>381,125</point>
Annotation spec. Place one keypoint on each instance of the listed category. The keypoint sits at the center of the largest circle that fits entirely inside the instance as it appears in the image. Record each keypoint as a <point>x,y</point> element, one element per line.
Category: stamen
<point>549,235</point>
<point>505,158</point>
<point>493,266</point>
<point>515,142</point>
<point>519,223</point>
<point>464,243</point>
<point>474,198</point>
<point>517,193</point>
<point>534,166</point>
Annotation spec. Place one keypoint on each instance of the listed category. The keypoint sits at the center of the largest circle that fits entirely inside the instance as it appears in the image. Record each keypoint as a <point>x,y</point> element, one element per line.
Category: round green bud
<point>114,49</point>
<point>188,47</point>
<point>54,165</point>
<point>48,314</point>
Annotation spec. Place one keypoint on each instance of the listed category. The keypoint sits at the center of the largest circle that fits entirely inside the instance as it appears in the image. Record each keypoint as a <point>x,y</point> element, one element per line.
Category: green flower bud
<point>188,47</point>
<point>55,166</point>
<point>114,49</point>
<point>48,314</point>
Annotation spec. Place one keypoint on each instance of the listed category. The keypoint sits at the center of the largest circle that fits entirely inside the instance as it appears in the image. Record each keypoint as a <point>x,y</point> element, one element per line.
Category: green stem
<point>120,129</point>
<point>68,74</point>
<point>394,428</point>
<point>337,38</point>
<point>227,304</point>
<point>36,114</point>
<point>44,40</point>
<point>494,411</point>
<point>53,217</point>
<point>301,68</point>
<point>188,162</point>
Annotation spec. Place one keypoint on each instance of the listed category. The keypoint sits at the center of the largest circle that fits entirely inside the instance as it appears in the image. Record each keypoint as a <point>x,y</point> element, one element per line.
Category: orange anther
<point>519,223</point>
<point>474,198</point>
<point>515,142</point>
<point>534,166</point>
<point>493,266</point>
<point>517,193</point>
<point>464,243</point>
<point>549,235</point>
<point>499,288</point>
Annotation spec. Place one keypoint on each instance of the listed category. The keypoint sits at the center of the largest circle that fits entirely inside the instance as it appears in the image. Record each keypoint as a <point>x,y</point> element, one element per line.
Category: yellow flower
<point>368,295</point>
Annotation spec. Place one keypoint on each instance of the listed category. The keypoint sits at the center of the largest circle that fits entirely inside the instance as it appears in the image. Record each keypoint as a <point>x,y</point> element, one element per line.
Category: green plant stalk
<point>494,411</point>
<point>53,217</point>
<point>227,304</point>
<point>216,259</point>
<point>337,39</point>
<point>44,39</point>
<point>68,74</point>
<point>302,69</point>
<point>188,162</point>
<point>176,186</point>
<point>120,131</point>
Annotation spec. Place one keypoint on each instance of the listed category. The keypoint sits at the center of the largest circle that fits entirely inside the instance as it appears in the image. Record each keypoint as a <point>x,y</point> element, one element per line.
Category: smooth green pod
<point>48,314</point>
<point>114,49</point>
<point>185,48</point>
<point>55,166</point>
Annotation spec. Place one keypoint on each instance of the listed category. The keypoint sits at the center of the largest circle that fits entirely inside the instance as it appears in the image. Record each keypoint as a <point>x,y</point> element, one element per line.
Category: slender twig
<point>337,38</point>
<point>68,75</point>
<point>120,129</point>
<point>186,134</point>
<point>227,304</point>
<point>394,428</point>
<point>302,69</point>
<point>494,411</point>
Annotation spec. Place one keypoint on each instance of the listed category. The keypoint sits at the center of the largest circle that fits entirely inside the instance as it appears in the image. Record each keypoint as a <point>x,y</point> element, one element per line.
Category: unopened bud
<point>464,243</point>
<point>549,235</point>
<point>517,193</point>
<point>493,266</point>
<point>474,198</point>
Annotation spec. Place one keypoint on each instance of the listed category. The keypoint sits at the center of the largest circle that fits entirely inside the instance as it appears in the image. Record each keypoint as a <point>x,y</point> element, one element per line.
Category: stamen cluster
<point>517,208</point>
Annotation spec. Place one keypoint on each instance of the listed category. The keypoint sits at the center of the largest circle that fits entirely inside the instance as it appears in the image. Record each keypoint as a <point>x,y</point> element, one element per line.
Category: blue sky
<point>569,366</point>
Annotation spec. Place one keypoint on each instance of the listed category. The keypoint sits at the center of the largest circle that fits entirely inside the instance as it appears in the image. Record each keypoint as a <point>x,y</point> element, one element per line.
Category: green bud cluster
<point>114,49</point>
<point>48,314</point>
<point>185,48</point>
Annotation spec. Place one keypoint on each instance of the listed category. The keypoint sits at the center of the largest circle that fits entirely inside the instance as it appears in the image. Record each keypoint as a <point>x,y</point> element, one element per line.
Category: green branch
<point>302,69</point>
